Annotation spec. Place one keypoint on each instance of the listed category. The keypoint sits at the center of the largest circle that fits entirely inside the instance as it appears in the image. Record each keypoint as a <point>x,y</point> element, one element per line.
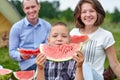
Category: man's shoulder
<point>43,21</point>
<point>17,25</point>
<point>20,22</point>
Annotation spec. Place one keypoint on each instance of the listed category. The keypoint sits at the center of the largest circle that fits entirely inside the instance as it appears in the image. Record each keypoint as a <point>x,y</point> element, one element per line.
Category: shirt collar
<point>28,23</point>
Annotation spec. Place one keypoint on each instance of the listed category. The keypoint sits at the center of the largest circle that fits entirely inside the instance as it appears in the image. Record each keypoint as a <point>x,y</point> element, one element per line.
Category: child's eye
<point>54,36</point>
<point>64,36</point>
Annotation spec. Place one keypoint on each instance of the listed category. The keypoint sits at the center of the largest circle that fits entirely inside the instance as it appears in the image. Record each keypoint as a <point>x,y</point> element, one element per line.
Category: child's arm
<point>40,74</point>
<point>79,59</point>
<point>40,59</point>
<point>79,74</point>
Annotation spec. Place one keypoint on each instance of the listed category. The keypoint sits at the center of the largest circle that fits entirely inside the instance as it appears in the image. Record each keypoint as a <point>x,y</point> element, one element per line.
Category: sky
<point>108,5</point>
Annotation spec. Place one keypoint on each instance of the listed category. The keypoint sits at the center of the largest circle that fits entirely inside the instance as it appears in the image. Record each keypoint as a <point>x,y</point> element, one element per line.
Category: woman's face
<point>88,14</point>
<point>59,35</point>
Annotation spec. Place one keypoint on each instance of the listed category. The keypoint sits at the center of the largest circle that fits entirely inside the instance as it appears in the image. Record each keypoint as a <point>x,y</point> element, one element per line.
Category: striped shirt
<point>60,70</point>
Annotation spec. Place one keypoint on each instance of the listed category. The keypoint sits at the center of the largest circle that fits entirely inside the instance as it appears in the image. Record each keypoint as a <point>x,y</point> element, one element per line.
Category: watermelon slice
<point>62,53</point>
<point>74,39</point>
<point>79,39</point>
<point>24,75</point>
<point>28,51</point>
<point>5,74</point>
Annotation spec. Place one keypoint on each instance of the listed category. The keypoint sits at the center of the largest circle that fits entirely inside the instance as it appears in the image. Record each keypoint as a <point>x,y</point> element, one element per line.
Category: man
<point>28,33</point>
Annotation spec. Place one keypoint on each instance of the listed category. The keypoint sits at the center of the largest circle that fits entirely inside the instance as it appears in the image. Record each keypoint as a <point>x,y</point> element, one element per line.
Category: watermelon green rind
<point>5,71</point>
<point>63,57</point>
<point>24,75</point>
<point>5,74</point>
<point>59,60</point>
<point>54,54</point>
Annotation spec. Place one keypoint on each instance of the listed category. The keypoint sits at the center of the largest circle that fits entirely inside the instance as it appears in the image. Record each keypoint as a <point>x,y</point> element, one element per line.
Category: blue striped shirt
<point>24,35</point>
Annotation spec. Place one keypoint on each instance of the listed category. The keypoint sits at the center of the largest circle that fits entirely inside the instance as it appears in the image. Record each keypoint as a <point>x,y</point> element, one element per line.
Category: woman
<point>89,15</point>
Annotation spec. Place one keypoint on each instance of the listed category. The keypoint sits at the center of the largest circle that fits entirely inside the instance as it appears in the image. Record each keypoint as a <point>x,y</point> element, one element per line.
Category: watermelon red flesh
<point>24,75</point>
<point>74,39</point>
<point>5,71</point>
<point>28,51</point>
<point>79,39</point>
<point>61,53</point>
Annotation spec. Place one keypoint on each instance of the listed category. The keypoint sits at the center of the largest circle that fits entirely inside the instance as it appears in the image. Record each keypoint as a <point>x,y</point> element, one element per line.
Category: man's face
<point>31,9</point>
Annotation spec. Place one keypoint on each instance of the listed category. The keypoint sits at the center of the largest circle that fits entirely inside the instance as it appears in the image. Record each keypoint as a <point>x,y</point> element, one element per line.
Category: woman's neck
<point>88,30</point>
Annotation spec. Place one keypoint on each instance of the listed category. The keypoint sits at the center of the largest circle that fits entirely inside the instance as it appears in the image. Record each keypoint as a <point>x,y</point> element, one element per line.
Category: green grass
<point>6,61</point>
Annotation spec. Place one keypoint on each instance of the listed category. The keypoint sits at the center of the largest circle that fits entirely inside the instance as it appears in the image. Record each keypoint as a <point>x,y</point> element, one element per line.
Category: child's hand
<point>40,60</point>
<point>79,58</point>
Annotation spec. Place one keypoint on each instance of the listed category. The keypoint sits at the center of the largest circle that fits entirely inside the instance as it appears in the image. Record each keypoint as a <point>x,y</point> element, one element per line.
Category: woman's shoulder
<point>104,31</point>
<point>74,31</point>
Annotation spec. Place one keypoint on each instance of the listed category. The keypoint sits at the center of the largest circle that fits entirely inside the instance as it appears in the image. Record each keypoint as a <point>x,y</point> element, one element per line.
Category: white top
<point>94,49</point>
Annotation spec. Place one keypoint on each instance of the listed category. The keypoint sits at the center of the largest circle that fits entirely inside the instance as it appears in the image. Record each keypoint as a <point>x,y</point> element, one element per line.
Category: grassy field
<point>115,29</point>
<point>7,62</point>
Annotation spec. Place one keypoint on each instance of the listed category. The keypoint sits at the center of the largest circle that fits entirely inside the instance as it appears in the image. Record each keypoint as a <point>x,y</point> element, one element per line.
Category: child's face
<point>59,35</point>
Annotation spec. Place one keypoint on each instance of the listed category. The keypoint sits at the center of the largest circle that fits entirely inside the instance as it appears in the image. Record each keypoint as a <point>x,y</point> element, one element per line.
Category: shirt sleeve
<point>109,41</point>
<point>14,43</point>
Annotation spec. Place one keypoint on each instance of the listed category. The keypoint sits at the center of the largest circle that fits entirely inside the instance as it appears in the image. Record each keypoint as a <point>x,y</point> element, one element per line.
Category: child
<point>69,70</point>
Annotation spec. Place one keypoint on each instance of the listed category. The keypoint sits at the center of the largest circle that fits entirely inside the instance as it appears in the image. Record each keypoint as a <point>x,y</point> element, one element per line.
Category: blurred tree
<point>116,16</point>
<point>67,14</point>
<point>17,4</point>
<point>49,10</point>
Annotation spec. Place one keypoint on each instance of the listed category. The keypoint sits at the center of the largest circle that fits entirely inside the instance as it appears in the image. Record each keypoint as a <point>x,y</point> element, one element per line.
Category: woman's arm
<point>113,61</point>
